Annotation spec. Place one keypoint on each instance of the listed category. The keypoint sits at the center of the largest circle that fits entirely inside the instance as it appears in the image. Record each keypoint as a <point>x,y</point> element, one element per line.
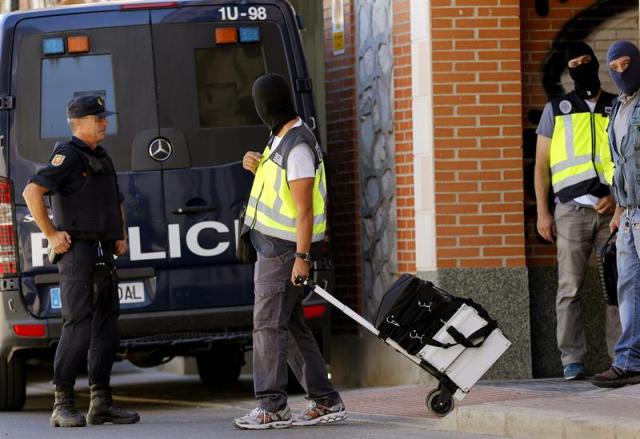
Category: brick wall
<point>343,166</point>
<point>403,135</point>
<point>477,133</point>
<point>597,24</point>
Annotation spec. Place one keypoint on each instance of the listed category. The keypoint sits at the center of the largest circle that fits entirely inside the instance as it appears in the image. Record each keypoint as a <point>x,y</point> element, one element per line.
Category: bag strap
<point>610,236</point>
<point>601,269</point>
<point>91,163</point>
<point>460,339</point>
<point>255,208</point>
<point>467,342</point>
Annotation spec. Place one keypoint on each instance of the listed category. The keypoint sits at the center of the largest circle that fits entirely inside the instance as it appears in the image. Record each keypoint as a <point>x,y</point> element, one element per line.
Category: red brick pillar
<point>477,133</point>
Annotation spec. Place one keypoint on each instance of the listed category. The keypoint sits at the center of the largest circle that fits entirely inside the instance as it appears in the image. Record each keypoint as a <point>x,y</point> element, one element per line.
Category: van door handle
<point>192,209</point>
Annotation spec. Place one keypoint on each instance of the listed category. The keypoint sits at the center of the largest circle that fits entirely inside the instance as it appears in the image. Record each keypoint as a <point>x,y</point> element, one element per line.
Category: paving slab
<point>549,408</point>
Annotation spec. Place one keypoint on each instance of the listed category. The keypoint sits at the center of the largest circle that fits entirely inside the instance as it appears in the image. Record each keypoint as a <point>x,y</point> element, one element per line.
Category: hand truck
<point>439,401</point>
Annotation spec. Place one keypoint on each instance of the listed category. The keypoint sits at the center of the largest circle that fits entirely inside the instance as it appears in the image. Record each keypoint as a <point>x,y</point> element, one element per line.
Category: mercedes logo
<point>160,149</point>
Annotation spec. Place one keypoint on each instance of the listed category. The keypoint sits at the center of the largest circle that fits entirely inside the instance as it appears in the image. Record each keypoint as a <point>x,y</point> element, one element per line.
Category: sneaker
<point>317,413</point>
<point>261,419</point>
<point>615,377</point>
<point>574,371</point>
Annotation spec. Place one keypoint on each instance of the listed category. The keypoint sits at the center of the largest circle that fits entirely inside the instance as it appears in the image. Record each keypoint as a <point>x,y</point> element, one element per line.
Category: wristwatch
<point>305,256</point>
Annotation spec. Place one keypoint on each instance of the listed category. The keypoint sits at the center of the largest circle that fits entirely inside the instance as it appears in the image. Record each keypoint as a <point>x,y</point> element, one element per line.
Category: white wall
<point>423,135</point>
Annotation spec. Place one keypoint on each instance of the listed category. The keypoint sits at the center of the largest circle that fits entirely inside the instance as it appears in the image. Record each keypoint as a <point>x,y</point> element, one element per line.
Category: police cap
<point>91,105</point>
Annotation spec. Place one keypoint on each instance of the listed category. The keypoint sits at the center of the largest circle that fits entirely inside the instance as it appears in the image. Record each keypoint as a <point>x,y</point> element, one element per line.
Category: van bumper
<point>180,331</point>
<point>165,325</point>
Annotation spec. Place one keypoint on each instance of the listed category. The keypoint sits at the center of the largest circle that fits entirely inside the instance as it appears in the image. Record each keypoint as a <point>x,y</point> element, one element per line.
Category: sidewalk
<point>549,408</point>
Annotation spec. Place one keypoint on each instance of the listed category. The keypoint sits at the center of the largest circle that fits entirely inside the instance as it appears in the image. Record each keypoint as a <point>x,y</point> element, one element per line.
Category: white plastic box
<point>465,366</point>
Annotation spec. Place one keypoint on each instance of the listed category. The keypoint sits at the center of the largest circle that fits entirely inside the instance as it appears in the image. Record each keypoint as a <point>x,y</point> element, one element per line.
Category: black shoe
<point>64,410</point>
<point>102,411</point>
<point>615,377</point>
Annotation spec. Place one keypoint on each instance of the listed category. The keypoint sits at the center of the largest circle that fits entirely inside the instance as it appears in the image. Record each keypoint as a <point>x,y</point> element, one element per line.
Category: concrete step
<point>594,413</point>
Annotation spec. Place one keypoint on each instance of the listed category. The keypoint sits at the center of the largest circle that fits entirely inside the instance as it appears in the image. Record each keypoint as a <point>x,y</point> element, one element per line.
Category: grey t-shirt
<point>621,122</point>
<point>271,247</point>
<point>547,121</point>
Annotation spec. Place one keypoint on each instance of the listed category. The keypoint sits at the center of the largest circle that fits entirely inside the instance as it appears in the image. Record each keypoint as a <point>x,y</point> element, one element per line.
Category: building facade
<point>448,192</point>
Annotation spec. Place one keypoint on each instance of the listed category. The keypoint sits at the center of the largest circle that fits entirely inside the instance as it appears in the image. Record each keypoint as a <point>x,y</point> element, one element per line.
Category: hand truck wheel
<point>437,407</point>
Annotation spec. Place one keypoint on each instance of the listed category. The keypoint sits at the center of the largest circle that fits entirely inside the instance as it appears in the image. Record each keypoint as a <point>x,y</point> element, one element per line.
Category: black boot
<point>64,410</point>
<point>102,410</point>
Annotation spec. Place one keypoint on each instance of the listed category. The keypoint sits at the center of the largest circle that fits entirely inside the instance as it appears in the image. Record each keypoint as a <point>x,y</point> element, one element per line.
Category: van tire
<point>220,368</point>
<point>12,384</point>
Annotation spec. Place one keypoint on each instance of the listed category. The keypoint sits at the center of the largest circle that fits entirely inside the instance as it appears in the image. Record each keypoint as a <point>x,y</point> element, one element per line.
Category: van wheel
<point>12,384</point>
<point>148,359</point>
<point>221,367</point>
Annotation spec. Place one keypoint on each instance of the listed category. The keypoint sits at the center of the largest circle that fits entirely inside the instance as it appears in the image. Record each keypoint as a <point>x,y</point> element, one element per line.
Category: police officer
<point>573,158</point>
<point>287,215</point>
<point>87,230</point>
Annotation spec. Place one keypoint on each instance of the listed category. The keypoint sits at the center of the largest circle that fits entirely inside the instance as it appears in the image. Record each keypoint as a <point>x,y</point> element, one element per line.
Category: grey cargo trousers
<point>580,231</point>
<point>281,336</point>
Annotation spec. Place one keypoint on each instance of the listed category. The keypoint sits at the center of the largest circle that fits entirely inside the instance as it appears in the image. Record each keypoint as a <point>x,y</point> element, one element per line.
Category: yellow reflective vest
<point>580,158</point>
<point>271,209</point>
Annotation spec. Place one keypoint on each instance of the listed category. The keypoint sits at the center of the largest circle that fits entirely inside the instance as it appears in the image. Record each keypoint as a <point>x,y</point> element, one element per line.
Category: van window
<point>119,67</point>
<point>204,88</point>
<point>67,77</point>
<point>225,76</point>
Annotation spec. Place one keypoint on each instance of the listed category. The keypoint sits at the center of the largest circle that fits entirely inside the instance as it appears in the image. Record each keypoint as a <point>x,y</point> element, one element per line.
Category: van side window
<point>224,78</point>
<point>66,77</point>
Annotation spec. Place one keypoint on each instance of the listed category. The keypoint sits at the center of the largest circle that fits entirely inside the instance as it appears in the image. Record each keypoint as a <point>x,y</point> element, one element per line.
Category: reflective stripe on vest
<point>272,205</point>
<point>571,152</point>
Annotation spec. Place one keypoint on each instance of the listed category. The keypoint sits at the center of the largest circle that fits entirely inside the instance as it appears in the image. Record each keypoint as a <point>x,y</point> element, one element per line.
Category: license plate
<point>131,292</point>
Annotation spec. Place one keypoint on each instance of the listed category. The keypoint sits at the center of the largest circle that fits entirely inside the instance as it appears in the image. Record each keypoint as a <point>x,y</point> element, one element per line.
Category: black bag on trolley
<point>413,310</point>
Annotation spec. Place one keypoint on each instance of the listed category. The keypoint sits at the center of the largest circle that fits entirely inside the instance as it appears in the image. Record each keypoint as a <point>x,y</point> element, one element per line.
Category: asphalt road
<point>177,406</point>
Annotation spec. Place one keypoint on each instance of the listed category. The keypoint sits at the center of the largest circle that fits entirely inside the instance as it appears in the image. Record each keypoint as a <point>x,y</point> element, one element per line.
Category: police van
<point>179,75</point>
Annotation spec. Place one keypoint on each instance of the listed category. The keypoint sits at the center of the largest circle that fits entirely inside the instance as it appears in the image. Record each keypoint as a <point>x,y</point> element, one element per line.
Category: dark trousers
<point>281,336</point>
<point>90,330</point>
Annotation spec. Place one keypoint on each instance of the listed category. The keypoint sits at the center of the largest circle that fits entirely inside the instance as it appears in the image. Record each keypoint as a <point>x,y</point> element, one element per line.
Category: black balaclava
<point>585,75</point>
<point>629,80</point>
<point>273,101</point>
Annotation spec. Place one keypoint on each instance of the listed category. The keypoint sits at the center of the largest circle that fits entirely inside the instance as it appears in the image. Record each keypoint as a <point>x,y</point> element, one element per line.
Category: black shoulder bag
<point>245,252</point>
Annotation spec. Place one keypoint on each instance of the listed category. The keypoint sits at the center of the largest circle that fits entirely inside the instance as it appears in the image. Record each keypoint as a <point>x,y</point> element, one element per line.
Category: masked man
<point>287,215</point>
<point>572,157</point>
<point>623,60</point>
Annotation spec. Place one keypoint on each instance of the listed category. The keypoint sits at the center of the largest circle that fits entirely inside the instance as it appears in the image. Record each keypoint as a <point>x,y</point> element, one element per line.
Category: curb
<point>521,422</point>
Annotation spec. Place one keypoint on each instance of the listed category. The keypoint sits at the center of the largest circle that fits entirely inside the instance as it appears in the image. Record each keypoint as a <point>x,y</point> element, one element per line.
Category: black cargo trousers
<point>90,308</point>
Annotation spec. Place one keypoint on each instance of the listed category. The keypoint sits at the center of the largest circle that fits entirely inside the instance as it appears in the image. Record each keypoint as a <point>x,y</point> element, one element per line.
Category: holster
<point>105,288</point>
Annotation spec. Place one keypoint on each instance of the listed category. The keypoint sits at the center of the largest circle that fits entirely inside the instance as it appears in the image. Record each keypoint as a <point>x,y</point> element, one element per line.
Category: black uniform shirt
<point>66,172</point>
